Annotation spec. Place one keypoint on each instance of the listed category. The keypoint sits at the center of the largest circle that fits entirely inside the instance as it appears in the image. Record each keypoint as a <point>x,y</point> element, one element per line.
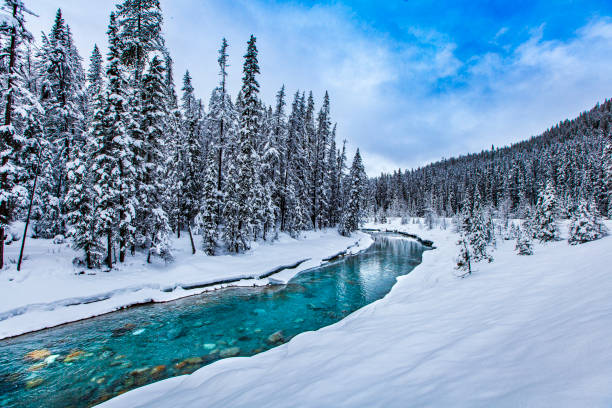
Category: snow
<point>50,291</point>
<point>521,331</point>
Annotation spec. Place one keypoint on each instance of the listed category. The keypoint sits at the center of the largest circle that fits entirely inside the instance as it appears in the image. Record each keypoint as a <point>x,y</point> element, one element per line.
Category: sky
<point>410,81</point>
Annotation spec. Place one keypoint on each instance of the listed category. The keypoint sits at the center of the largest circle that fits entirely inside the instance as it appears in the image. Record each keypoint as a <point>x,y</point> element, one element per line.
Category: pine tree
<point>14,96</point>
<point>62,93</point>
<point>585,224</point>
<point>524,244</point>
<point>192,156</point>
<point>82,208</point>
<point>155,226</point>
<point>209,211</point>
<point>607,169</point>
<point>95,81</point>
<point>353,213</point>
<point>321,159</point>
<point>464,259</point>
<point>479,232</point>
<point>544,220</point>
<point>139,23</point>
<point>245,171</point>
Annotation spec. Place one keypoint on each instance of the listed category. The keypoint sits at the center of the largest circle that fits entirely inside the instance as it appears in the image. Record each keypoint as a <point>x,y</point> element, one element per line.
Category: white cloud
<point>403,101</point>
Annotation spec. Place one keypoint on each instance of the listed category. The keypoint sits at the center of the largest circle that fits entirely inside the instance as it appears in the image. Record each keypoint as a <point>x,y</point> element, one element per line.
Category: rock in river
<point>275,337</point>
<point>37,354</point>
<point>35,382</point>
<point>229,352</point>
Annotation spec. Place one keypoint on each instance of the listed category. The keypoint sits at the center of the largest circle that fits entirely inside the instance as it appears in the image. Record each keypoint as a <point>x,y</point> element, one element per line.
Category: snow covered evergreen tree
<point>607,169</point>
<point>140,24</point>
<point>524,245</point>
<point>240,220</point>
<point>209,210</point>
<point>353,213</point>
<point>16,100</point>
<point>61,92</point>
<point>155,226</point>
<point>192,156</point>
<point>464,259</point>
<point>478,235</point>
<point>585,224</point>
<point>544,221</point>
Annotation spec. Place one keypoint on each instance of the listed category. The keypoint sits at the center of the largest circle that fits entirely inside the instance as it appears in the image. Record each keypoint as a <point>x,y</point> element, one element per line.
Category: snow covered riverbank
<point>49,290</point>
<point>521,331</point>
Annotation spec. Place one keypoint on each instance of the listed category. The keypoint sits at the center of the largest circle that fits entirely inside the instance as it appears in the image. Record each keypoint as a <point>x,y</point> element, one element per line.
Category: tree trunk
<point>25,230</point>
<point>193,248</point>
<point>4,209</point>
<point>109,249</point>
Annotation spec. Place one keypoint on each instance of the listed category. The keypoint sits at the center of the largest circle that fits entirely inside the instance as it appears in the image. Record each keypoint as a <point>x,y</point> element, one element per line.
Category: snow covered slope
<point>524,331</point>
<point>49,290</point>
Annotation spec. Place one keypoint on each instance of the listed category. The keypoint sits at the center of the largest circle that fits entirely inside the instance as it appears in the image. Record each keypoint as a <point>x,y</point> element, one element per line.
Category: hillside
<point>570,154</point>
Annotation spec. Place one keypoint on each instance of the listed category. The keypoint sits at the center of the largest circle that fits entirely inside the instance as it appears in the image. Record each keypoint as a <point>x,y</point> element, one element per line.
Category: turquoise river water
<point>87,362</point>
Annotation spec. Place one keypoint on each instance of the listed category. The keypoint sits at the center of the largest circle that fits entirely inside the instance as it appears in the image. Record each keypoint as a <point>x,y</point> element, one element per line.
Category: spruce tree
<point>155,226</point>
<point>585,224</point>
<point>464,258</point>
<point>607,169</point>
<point>209,210</point>
<point>139,23</point>
<point>524,245</point>
<point>245,171</point>
<point>15,96</point>
<point>62,92</point>
<point>192,157</point>
<point>544,220</point>
<point>353,213</point>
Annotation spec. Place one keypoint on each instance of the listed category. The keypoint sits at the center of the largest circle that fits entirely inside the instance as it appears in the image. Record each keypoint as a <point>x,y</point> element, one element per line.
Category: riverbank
<point>50,290</point>
<point>521,331</point>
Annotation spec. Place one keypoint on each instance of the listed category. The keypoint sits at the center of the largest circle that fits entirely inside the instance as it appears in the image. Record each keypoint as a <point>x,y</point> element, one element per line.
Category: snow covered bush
<point>464,258</point>
<point>585,224</point>
<point>524,245</point>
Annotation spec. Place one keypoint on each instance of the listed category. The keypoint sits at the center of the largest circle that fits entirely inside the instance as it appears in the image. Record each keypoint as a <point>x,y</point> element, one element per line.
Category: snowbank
<point>522,331</point>
<point>50,291</point>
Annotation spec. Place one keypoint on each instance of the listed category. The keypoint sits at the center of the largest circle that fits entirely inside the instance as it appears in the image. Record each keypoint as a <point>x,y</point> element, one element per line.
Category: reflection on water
<point>84,363</point>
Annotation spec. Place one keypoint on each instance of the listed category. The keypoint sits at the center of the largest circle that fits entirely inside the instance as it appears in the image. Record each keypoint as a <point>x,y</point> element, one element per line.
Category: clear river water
<point>84,363</point>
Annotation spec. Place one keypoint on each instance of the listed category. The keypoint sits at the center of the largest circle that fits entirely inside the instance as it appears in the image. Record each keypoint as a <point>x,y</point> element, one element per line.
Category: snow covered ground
<point>523,331</point>
<point>49,290</point>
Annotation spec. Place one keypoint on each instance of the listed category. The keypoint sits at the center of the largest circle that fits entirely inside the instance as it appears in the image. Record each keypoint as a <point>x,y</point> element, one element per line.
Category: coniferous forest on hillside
<point>574,157</point>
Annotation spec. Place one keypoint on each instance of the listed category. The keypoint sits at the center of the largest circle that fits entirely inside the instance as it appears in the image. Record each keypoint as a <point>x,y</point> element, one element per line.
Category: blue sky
<point>410,81</point>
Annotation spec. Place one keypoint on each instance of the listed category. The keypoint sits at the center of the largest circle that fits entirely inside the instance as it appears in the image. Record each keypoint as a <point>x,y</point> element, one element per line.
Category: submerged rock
<point>299,320</point>
<point>157,370</point>
<point>37,366</point>
<point>229,352</point>
<point>75,355</point>
<point>275,337</point>
<point>175,333</point>
<point>37,354</point>
<point>35,382</point>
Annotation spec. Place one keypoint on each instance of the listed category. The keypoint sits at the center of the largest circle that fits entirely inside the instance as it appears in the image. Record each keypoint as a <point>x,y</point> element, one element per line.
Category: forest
<point>113,158</point>
<point>574,156</point>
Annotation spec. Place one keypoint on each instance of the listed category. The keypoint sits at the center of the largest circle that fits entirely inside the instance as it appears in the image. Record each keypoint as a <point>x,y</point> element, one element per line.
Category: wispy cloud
<point>406,93</point>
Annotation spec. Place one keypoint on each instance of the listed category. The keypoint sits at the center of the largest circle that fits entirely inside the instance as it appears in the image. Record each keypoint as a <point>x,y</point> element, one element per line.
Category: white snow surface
<point>49,290</point>
<point>523,331</point>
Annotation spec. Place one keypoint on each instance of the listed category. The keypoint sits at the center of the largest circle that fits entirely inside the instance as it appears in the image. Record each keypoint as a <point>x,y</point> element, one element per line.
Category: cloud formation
<point>406,93</point>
